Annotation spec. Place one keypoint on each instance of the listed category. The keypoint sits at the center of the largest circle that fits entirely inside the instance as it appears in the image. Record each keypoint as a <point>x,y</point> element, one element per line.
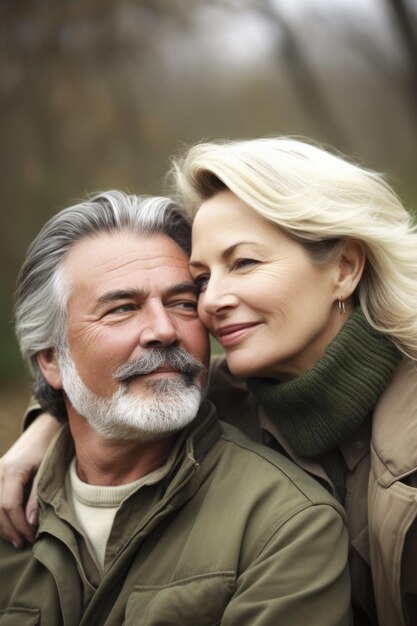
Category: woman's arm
<point>18,520</point>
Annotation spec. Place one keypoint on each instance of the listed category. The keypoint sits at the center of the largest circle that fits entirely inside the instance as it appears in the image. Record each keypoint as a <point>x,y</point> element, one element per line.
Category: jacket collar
<point>192,445</point>
<point>354,449</point>
<point>394,429</point>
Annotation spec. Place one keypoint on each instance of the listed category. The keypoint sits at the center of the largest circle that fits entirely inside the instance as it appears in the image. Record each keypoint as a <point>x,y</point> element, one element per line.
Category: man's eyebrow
<point>185,287</point>
<point>119,294</point>
<point>127,294</point>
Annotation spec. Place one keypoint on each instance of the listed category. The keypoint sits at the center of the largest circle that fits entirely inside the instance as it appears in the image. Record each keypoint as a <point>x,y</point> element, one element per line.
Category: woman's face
<point>272,309</point>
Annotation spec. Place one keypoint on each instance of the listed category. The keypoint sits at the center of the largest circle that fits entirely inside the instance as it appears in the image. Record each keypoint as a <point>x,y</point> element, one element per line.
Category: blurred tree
<point>306,83</point>
<point>97,93</point>
<point>407,27</point>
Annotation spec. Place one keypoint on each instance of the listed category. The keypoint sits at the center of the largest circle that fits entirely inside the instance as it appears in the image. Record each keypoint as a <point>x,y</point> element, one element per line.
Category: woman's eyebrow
<point>227,252</point>
<point>231,249</point>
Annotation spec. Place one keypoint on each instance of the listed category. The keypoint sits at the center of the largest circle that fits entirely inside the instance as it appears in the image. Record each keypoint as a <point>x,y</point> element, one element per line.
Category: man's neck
<point>108,462</point>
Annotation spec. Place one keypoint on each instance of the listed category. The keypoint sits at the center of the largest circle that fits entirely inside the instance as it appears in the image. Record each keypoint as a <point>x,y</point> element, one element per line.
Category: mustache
<point>155,358</point>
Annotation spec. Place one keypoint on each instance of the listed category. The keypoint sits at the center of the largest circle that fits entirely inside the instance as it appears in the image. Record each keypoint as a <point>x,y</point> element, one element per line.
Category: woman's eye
<point>243,263</point>
<point>201,281</point>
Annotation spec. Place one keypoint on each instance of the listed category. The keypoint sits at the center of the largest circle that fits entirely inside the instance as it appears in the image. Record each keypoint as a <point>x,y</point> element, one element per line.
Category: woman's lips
<point>234,333</point>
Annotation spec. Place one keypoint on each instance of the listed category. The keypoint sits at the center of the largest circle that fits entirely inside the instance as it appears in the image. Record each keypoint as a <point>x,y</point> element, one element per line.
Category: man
<point>152,512</point>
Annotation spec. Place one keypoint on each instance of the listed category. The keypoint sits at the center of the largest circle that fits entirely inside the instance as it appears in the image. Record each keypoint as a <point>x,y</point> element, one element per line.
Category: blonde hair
<point>316,196</point>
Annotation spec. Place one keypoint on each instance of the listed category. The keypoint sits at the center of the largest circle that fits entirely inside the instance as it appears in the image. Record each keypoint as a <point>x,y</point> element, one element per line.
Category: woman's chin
<point>239,367</point>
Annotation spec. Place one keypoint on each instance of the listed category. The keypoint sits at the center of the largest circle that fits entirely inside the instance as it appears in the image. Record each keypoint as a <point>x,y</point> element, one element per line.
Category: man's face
<point>130,294</point>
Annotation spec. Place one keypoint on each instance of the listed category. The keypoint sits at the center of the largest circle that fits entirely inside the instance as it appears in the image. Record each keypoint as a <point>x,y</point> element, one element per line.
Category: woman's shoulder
<point>394,424</point>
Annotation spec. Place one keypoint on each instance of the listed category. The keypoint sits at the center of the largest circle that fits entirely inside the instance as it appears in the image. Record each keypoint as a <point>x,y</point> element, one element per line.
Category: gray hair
<point>42,292</point>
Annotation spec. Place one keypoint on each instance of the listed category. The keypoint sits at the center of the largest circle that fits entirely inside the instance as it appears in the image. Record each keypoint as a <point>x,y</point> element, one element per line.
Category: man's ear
<point>350,267</point>
<point>48,364</point>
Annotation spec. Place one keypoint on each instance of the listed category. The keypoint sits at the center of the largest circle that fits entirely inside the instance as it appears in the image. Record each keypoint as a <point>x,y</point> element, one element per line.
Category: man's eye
<point>185,306</point>
<point>122,308</point>
<point>201,281</point>
<point>243,263</point>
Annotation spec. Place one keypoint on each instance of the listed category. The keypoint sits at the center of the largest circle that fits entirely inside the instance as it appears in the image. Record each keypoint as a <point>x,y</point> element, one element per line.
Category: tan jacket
<point>392,499</point>
<point>387,544</point>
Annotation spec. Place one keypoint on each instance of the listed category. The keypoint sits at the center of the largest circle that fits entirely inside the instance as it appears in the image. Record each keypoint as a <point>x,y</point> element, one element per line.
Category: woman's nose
<point>158,327</point>
<point>217,297</point>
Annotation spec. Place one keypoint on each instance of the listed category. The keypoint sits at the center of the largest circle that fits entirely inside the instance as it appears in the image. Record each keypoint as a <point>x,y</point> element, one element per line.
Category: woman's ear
<point>350,266</point>
<point>48,364</point>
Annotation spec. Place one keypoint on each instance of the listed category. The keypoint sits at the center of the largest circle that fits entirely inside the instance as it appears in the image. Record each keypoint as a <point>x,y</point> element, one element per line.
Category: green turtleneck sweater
<point>318,410</point>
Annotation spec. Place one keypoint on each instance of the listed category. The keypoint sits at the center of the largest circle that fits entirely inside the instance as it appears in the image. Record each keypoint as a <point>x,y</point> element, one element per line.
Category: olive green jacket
<point>381,486</point>
<point>234,535</point>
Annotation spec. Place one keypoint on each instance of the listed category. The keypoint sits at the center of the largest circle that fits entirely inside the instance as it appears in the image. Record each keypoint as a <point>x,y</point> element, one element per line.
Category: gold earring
<point>342,307</point>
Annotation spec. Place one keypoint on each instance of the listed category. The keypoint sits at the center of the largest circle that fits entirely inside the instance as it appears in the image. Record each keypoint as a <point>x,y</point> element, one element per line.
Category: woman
<point>307,267</point>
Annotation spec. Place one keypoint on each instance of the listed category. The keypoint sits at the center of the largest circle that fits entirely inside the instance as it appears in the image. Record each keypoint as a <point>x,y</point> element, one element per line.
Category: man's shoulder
<point>267,468</point>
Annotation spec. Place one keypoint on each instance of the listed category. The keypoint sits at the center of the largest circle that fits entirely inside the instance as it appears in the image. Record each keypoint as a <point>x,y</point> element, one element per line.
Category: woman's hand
<point>18,521</point>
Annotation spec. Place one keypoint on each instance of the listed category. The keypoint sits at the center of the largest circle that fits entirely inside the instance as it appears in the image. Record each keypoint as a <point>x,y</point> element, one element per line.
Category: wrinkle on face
<point>252,272</point>
<point>150,275</point>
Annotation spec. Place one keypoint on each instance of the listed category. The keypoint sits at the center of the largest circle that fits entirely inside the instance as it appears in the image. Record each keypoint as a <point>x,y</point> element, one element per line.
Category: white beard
<point>169,406</point>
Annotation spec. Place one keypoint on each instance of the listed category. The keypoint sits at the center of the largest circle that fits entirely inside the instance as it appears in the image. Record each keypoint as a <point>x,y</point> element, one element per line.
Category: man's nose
<point>158,328</point>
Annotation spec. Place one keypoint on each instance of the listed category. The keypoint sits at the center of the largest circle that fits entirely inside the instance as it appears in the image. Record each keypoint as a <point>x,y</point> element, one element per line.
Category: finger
<point>32,509</point>
<point>9,532</point>
<point>13,512</point>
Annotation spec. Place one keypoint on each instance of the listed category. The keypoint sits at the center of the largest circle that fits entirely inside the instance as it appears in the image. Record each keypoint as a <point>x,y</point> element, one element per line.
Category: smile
<point>234,333</point>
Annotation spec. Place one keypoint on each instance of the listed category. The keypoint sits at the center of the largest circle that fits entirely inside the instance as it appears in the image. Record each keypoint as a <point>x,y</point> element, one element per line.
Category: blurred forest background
<point>97,94</point>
